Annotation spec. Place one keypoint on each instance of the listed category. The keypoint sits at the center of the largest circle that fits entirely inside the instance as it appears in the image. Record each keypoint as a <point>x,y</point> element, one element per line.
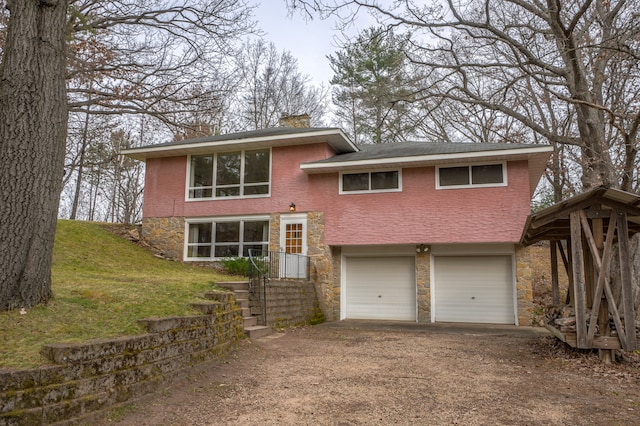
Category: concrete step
<point>243,303</point>
<point>257,331</point>
<point>234,285</point>
<point>241,294</point>
<point>246,312</point>
<point>249,322</point>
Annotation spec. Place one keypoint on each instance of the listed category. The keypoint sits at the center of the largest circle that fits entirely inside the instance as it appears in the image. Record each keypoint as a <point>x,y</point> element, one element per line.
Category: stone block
<point>206,308</point>
<point>95,374</point>
<point>18,379</point>
<point>22,417</point>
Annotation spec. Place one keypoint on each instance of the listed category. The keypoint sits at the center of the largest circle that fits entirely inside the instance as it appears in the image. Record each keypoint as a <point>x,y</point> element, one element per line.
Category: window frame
<point>341,191</point>
<point>242,185</point>
<point>213,221</point>
<point>470,169</point>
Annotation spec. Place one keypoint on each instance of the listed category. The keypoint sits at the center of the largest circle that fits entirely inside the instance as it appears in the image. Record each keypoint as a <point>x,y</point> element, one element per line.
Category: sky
<point>308,41</point>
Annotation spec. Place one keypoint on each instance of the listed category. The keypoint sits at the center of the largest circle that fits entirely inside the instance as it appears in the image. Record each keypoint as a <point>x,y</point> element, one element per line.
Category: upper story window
<point>230,174</point>
<point>387,181</point>
<point>472,176</point>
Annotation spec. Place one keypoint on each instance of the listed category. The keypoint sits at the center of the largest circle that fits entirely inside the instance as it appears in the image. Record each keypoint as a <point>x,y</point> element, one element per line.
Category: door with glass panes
<point>293,246</point>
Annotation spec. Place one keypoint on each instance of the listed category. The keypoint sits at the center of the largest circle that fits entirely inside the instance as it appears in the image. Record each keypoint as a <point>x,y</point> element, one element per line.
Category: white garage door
<point>380,288</point>
<point>474,289</point>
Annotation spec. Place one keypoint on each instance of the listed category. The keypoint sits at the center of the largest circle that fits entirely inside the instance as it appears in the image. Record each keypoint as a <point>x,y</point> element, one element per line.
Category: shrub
<point>237,266</point>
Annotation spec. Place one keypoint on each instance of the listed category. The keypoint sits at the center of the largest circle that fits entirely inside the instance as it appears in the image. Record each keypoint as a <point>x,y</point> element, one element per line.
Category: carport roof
<point>552,223</point>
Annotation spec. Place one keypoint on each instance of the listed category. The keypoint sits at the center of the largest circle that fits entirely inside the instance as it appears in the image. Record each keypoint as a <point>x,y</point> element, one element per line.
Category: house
<point>414,231</point>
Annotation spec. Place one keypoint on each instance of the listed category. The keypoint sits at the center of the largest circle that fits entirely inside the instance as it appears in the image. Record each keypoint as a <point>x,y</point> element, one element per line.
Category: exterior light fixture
<point>292,207</point>
<point>422,248</point>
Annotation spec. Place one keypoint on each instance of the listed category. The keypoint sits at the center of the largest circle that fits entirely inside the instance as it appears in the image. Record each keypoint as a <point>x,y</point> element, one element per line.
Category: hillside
<point>102,285</point>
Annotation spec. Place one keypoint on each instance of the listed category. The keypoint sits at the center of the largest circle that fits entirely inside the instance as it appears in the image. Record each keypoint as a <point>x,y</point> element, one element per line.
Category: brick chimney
<point>295,121</point>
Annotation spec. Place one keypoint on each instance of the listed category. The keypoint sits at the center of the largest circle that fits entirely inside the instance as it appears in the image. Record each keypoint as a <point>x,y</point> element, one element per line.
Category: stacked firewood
<point>563,318</point>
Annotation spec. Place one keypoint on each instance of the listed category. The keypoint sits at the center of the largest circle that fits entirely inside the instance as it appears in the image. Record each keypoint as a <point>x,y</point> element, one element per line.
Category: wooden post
<point>589,279</point>
<point>566,260</point>
<point>601,284</point>
<point>625,277</point>
<point>605,355</point>
<point>555,284</point>
<point>579,291</point>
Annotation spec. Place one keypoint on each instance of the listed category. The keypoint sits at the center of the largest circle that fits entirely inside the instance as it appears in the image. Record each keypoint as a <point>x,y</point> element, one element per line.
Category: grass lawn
<point>102,285</point>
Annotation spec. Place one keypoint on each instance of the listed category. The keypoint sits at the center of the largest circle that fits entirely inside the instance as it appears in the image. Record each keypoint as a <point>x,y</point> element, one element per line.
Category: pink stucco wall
<point>418,214</point>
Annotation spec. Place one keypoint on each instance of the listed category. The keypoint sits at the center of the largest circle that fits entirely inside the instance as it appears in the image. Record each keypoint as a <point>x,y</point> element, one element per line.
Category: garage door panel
<point>380,288</point>
<point>474,289</point>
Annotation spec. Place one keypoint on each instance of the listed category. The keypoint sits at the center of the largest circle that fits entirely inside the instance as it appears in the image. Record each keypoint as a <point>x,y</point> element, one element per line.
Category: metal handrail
<point>261,279</point>
<point>276,265</point>
<point>253,266</point>
<point>279,264</point>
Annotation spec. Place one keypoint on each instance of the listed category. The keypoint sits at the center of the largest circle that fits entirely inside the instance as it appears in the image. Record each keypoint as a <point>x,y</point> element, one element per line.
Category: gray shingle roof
<point>254,139</point>
<point>261,133</point>
<point>413,149</point>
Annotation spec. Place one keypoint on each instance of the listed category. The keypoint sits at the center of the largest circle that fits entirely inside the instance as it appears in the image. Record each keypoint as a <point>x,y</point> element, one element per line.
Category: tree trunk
<point>33,125</point>
<point>80,173</point>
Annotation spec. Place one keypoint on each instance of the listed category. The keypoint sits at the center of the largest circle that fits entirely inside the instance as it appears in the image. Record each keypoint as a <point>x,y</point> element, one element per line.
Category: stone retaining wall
<point>291,303</point>
<point>89,377</point>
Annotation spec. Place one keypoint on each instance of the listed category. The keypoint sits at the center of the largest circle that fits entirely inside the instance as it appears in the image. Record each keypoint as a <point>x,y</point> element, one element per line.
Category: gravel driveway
<point>368,373</point>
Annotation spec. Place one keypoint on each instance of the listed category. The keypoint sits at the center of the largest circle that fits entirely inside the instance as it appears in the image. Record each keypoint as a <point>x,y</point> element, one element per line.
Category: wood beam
<point>625,277</point>
<point>565,261</point>
<point>597,212</point>
<point>579,290</point>
<point>591,242</point>
<point>602,274</point>
<point>562,211</point>
<point>615,314</point>
<point>555,283</point>
<point>606,355</point>
<point>631,209</point>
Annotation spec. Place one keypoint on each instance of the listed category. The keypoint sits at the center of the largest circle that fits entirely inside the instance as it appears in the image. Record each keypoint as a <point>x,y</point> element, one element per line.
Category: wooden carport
<point>587,231</point>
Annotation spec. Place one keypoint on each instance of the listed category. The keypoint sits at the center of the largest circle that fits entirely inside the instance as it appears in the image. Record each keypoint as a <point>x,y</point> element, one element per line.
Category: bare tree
<point>126,181</point>
<point>272,85</point>
<point>580,58</point>
<point>33,124</point>
<point>162,59</point>
<point>144,57</point>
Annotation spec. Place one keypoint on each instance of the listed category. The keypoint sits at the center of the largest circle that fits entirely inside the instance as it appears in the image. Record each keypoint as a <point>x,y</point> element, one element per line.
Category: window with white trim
<point>362,182</point>
<point>230,174</point>
<point>482,175</point>
<point>214,239</point>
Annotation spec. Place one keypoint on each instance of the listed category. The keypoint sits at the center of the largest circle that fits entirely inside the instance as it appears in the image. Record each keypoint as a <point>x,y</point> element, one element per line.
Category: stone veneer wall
<point>423,282</point>
<point>524,285</point>
<point>274,232</point>
<point>165,234</point>
<point>90,377</point>
<point>323,267</point>
<point>291,303</point>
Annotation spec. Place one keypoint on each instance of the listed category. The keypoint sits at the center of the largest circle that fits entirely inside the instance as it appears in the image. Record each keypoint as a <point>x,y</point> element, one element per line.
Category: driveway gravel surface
<point>385,373</point>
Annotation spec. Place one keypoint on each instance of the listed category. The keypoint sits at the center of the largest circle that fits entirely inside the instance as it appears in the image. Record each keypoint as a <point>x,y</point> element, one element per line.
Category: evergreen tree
<point>372,87</point>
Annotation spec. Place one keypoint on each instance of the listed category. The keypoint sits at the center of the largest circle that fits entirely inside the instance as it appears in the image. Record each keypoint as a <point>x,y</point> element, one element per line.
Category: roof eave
<point>537,156</point>
<point>336,138</point>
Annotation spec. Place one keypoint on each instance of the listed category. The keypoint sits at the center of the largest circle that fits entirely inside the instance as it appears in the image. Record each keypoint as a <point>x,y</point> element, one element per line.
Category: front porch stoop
<point>251,327</point>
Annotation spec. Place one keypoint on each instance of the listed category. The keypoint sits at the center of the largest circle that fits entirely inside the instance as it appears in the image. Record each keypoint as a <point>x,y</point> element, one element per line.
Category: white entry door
<point>293,246</point>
